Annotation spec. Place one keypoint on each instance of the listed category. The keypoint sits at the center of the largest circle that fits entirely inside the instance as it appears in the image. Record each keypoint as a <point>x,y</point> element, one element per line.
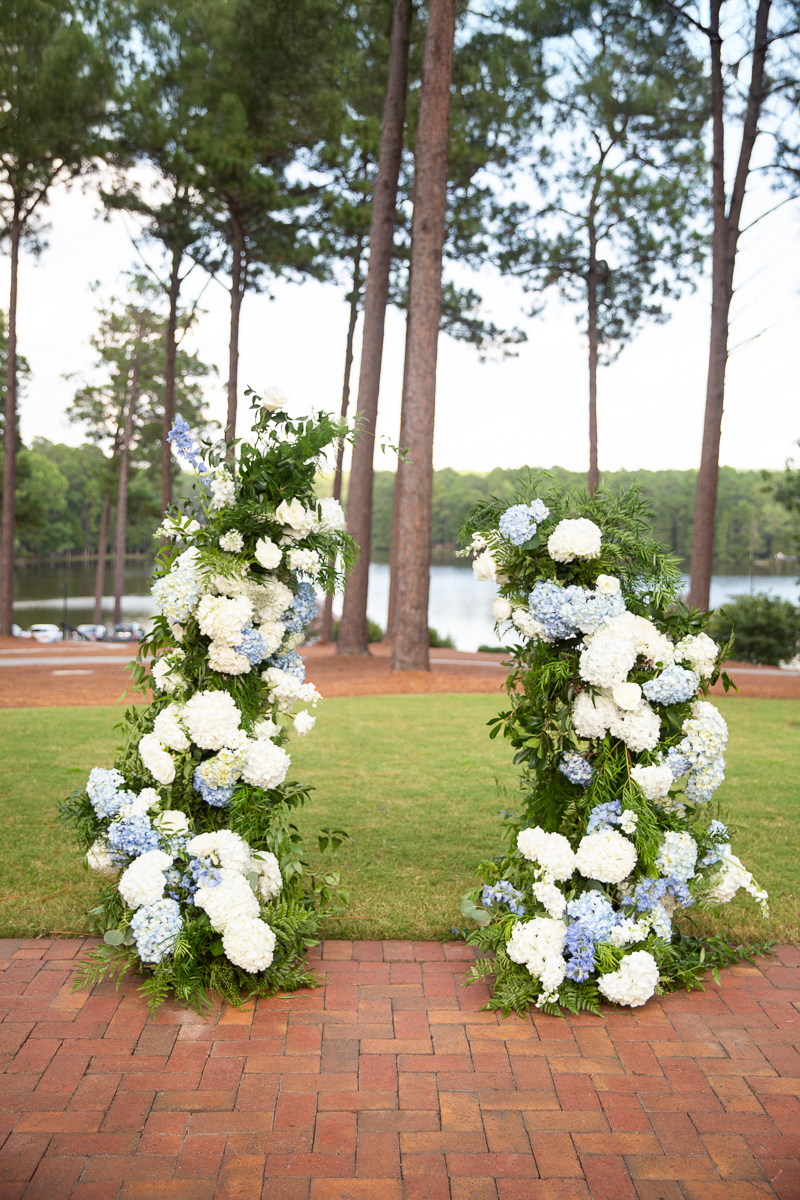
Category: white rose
<point>171,822</point>
<point>484,568</point>
<point>292,514</point>
<point>573,539</point>
<point>607,585</point>
<point>627,695</point>
<point>274,399</point>
<point>156,759</point>
<point>150,798</point>
<point>501,608</point>
<point>304,722</point>
<point>268,553</point>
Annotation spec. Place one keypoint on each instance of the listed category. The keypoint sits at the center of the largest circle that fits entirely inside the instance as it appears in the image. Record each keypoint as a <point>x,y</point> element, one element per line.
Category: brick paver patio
<point>389,1083</point>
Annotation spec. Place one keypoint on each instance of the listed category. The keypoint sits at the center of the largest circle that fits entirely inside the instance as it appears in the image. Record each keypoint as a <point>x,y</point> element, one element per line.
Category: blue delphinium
<point>502,892</point>
<point>181,438</point>
<point>155,928</point>
<point>518,523</point>
<point>673,686</point>
<point>604,816</point>
<point>291,663</point>
<point>579,951</point>
<point>595,913</point>
<point>103,789</point>
<point>576,768</point>
<point>253,645</point>
<point>131,837</point>
<point>546,603</point>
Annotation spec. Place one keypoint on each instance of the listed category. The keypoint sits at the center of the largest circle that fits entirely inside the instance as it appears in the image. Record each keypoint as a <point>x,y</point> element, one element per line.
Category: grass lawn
<point>415,780</point>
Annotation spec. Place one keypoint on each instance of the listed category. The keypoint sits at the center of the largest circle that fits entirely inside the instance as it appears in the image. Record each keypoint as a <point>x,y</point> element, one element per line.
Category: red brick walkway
<point>389,1083</point>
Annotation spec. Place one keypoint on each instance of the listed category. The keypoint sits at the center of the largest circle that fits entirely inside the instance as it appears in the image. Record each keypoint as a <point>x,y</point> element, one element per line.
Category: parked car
<point>45,633</point>
<point>129,631</point>
<point>95,633</point>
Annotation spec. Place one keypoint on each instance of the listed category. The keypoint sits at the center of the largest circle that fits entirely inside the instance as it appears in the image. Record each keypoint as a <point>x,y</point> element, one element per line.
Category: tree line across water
<point>579,148</point>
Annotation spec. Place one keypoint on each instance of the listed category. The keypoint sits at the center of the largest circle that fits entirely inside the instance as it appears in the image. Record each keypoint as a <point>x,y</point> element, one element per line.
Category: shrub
<point>766,629</point>
<point>437,642</point>
<point>374,631</point>
<point>493,650</point>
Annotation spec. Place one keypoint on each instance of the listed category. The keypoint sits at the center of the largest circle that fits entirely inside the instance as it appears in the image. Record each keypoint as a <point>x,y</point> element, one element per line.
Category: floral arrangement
<point>620,752</point>
<point>193,823</point>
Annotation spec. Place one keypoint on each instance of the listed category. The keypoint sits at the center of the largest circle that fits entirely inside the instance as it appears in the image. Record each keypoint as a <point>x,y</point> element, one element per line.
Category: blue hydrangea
<point>719,834</point>
<point>704,780</point>
<point>503,893</point>
<point>181,438</point>
<point>546,602</point>
<point>648,893</point>
<point>678,888</point>
<point>177,594</point>
<point>518,523</point>
<point>303,610</point>
<point>579,951</point>
<point>200,872</point>
<point>131,837</point>
<point>253,645</point>
<point>218,797</point>
<point>155,928</point>
<point>674,685</point>
<point>576,768</point>
<point>604,816</point>
<point>291,663</point>
<point>678,763</point>
<point>589,611</point>
<point>103,789</point>
<point>595,913</point>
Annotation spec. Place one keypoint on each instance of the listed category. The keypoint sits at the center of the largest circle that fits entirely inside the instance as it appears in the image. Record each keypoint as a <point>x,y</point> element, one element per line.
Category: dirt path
<point>34,676</point>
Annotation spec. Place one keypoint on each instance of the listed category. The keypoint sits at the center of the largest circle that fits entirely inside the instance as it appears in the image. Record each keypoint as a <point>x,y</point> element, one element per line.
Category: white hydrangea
<point>224,847</point>
<point>538,944</point>
<point>98,858</point>
<point>222,619</point>
<point>139,806</point>
<point>249,944</point>
<point>304,723</point>
<point>308,694</point>
<point>608,655</point>
<point>156,759</point>
<point>226,660</point>
<point>628,820</point>
<point>268,553</point>
<point>283,687</point>
<point>165,671</point>
<point>484,568</point>
<point>551,897</point>
<point>700,651</point>
<point>171,822</point>
<point>223,490</point>
<point>270,599</point>
<point>272,632</point>
<point>306,561</point>
<point>608,857</point>
<point>655,781</point>
<point>168,729</point>
<point>331,515</point>
<point>501,608</point>
<point>267,867</point>
<point>232,542</point>
<point>706,734</point>
<point>732,876</point>
<point>592,715</point>
<point>528,626</point>
<point>266,728</point>
<point>143,881</point>
<point>266,765</point>
<point>212,719</point>
<point>627,932</point>
<point>635,981</point>
<point>639,729</point>
<point>677,855</point>
<point>573,539</point>
<point>228,902</point>
<point>150,798</point>
<point>551,850</point>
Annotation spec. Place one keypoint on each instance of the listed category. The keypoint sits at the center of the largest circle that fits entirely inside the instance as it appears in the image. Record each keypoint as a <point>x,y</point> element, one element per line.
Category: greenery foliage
<point>764,628</point>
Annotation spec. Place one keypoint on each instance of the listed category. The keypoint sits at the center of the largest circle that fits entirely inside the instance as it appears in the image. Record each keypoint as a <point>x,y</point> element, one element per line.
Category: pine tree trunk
<point>100,570</point>
<point>122,490</point>
<point>9,520</point>
<point>353,626</point>
<point>593,477</point>
<point>391,616</point>
<point>410,647</point>
<point>169,380</point>
<point>355,295</point>
<point>723,256</point>
<point>238,280</point>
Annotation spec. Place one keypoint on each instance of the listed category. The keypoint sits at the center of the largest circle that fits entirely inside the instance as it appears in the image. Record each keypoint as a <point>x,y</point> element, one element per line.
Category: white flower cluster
<point>732,876</point>
<point>551,850</point>
<point>539,945</point>
<point>573,539</point>
<point>634,982</point>
<point>655,781</point>
<point>700,651</point>
<point>223,490</point>
<point>607,856</point>
<point>594,716</point>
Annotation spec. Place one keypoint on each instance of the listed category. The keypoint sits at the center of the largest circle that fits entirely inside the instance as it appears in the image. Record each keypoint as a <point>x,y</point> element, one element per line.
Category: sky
<point>531,409</point>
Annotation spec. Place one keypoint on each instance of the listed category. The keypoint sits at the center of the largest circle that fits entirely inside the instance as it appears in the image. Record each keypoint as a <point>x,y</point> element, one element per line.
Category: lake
<point>458,605</point>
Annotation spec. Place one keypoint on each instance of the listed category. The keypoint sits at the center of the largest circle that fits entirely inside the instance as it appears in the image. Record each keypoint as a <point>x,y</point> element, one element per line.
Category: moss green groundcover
<point>416,781</point>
